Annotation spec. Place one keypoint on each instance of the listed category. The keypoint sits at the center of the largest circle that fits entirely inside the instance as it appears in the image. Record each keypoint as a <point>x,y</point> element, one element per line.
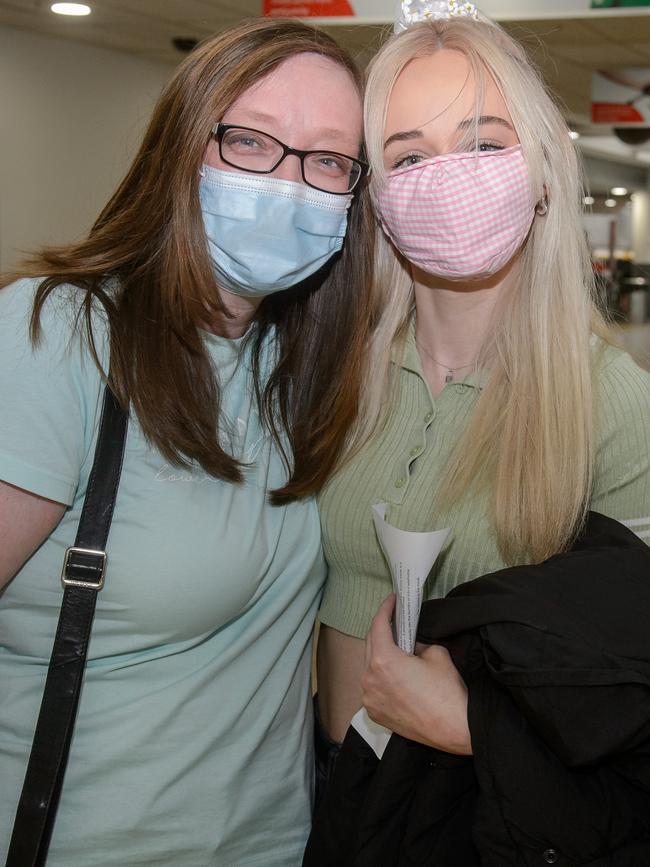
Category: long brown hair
<point>150,243</point>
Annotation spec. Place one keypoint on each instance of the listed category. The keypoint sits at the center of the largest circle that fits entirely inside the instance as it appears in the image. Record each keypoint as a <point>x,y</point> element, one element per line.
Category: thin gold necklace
<point>450,370</point>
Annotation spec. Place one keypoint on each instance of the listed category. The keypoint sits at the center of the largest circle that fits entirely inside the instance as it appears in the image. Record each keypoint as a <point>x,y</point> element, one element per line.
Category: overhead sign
<point>621,96</point>
<point>383,11</point>
<point>300,9</point>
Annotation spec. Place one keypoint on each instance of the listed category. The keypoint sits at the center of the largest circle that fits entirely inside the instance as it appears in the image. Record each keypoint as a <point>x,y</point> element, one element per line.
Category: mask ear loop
<point>542,206</point>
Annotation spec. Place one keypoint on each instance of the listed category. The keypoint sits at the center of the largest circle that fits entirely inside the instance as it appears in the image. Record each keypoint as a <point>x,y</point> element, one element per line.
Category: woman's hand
<point>420,697</point>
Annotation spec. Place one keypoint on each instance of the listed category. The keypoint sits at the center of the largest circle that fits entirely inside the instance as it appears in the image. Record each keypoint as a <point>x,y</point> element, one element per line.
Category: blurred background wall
<point>71,117</point>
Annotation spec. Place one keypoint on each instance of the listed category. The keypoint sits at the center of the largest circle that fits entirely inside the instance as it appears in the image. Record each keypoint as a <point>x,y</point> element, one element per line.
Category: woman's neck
<point>235,319</point>
<point>454,323</point>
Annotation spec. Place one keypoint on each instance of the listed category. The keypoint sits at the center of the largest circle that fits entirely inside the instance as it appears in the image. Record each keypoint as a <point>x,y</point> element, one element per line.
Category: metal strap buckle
<point>86,562</point>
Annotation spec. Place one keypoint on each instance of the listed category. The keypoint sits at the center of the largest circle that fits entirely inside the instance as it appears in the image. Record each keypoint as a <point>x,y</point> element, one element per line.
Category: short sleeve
<point>622,477</point>
<point>49,393</point>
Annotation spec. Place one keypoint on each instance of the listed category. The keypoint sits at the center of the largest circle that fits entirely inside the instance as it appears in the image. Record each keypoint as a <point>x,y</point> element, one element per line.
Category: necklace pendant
<point>450,376</point>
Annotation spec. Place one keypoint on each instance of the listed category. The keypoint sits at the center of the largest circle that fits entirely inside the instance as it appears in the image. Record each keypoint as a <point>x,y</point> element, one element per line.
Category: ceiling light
<point>588,200</point>
<point>574,135</point>
<point>619,191</point>
<point>70,8</point>
<point>610,203</point>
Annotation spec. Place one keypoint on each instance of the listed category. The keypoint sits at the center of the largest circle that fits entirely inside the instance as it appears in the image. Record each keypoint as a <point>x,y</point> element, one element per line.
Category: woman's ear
<point>542,206</point>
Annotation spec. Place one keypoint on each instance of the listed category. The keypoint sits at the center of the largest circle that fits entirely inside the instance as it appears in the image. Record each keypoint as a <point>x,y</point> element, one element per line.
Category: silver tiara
<point>412,11</point>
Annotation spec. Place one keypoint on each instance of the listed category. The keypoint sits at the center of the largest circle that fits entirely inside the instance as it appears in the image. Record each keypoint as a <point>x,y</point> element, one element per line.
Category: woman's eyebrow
<point>410,134</point>
<point>403,136</point>
<point>485,119</point>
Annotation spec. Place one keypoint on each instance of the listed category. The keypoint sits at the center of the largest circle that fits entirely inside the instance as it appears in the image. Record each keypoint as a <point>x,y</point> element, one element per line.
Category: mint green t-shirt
<point>193,741</point>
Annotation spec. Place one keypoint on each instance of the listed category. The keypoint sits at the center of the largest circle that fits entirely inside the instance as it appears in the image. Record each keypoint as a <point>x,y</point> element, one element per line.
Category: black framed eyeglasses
<point>252,150</point>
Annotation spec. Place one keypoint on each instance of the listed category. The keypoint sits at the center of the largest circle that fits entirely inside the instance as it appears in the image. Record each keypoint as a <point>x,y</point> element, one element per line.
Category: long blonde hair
<point>530,440</point>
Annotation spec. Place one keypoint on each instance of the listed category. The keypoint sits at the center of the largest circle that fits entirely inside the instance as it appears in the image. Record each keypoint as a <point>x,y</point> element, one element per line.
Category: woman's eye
<point>245,142</point>
<point>490,146</point>
<point>328,164</point>
<point>409,160</point>
<point>332,163</point>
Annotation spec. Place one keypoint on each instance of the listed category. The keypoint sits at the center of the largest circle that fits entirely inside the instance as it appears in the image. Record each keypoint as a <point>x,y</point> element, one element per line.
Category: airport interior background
<point>76,92</point>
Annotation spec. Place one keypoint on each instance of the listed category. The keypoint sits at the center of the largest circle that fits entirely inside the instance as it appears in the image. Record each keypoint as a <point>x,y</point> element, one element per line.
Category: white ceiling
<point>569,51</point>
<point>566,50</point>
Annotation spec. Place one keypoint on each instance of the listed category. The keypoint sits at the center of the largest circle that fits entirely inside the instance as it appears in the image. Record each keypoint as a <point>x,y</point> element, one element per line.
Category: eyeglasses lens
<point>253,151</point>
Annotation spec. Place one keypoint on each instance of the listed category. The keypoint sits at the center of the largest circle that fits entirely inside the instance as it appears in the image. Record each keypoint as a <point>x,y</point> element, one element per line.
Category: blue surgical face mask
<point>266,234</point>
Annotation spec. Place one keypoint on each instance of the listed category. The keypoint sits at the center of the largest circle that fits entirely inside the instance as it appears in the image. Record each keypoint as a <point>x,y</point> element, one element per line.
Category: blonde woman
<point>496,406</point>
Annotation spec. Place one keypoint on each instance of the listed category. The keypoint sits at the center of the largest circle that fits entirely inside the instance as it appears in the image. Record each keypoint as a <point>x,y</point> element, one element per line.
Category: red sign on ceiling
<point>300,9</point>
<point>621,95</point>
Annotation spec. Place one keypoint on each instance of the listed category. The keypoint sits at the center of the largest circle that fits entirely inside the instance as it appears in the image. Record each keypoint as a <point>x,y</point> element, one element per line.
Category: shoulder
<point>49,390</point>
<point>61,321</point>
<point>622,424</point>
<point>19,297</point>
<point>615,366</point>
<point>57,370</point>
<point>622,391</point>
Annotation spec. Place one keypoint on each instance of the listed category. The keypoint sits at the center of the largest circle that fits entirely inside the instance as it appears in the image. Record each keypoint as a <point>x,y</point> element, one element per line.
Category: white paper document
<point>410,557</point>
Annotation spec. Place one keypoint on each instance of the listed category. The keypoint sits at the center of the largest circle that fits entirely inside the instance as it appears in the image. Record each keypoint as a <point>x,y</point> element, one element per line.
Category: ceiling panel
<point>592,56</point>
<point>643,50</point>
<point>201,13</point>
<point>549,33</point>
<point>620,29</point>
<point>566,50</point>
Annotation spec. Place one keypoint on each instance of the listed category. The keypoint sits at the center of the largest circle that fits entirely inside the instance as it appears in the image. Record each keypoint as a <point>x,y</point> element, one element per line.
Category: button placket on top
<point>419,441</point>
<point>415,447</point>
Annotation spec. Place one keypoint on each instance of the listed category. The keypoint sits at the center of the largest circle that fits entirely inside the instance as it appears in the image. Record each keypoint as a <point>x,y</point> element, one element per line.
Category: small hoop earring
<point>542,207</point>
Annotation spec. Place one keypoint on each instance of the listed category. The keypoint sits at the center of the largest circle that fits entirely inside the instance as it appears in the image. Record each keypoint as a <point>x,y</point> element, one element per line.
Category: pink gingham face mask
<point>459,216</point>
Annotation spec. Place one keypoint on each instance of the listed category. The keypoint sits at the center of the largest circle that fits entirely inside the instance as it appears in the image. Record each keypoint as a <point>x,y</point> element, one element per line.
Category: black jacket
<point>556,658</point>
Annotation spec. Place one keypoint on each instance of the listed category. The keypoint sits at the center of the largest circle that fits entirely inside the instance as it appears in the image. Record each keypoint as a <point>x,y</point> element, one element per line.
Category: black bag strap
<point>83,572</point>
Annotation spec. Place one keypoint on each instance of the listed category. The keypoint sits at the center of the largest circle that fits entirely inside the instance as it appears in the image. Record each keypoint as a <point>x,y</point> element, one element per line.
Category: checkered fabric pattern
<point>460,215</point>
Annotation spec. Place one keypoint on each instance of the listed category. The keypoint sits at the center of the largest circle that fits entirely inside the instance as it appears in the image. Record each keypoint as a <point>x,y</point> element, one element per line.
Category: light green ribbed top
<point>404,463</point>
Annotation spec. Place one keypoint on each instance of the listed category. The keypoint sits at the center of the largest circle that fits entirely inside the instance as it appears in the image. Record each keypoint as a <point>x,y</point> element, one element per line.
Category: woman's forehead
<point>440,86</point>
<point>307,72</point>
<point>305,92</point>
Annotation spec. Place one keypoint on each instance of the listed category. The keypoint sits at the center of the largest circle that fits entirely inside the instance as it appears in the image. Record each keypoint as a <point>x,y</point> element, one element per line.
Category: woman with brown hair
<point>193,739</point>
